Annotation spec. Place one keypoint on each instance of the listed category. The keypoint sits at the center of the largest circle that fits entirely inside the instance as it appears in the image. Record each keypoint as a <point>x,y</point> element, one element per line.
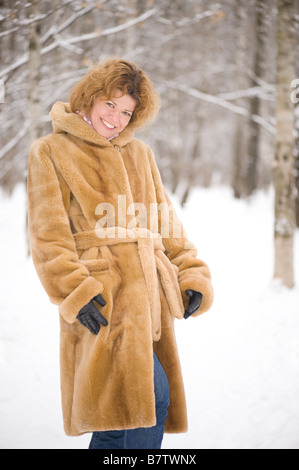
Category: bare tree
<point>297,163</point>
<point>296,99</point>
<point>255,102</point>
<point>34,67</point>
<point>284,180</point>
<point>241,127</point>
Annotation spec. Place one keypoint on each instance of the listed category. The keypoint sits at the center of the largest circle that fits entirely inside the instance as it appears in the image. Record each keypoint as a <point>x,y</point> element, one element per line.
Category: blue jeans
<point>140,438</point>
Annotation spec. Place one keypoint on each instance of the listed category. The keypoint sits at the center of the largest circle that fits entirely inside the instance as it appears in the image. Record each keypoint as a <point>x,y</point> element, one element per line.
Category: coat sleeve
<point>193,272</point>
<point>65,279</point>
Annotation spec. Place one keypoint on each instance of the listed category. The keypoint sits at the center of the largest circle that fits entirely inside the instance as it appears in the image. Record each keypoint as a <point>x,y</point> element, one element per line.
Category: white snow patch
<point>240,361</point>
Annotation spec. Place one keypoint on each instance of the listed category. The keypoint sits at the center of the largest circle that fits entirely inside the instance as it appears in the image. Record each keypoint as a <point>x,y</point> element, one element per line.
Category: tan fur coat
<point>100,221</point>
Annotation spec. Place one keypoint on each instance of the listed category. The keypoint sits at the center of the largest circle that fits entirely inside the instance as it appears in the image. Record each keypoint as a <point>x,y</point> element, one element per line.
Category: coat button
<point>117,148</point>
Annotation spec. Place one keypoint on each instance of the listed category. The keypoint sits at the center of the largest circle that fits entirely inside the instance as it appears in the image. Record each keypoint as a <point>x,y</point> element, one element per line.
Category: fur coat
<point>100,221</point>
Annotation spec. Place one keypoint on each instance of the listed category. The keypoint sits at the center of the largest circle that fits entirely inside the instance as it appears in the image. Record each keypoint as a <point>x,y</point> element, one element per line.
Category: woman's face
<point>110,117</point>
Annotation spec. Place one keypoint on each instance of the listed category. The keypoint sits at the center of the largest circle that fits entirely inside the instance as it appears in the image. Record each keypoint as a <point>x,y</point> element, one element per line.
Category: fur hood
<point>100,221</point>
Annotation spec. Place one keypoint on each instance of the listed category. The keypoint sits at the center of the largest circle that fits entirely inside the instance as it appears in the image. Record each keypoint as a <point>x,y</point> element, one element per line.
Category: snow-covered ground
<point>240,360</point>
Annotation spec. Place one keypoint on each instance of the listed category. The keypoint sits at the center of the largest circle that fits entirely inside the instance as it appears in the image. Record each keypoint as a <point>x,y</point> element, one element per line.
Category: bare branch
<point>24,130</point>
<point>5,33</point>
<point>13,142</point>
<point>85,37</point>
<point>106,32</point>
<point>266,93</point>
<point>223,103</point>
<point>53,31</point>
<point>32,20</point>
<point>64,44</point>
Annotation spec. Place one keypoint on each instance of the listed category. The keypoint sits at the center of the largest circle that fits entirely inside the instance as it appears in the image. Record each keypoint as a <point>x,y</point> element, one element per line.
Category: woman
<point>111,253</point>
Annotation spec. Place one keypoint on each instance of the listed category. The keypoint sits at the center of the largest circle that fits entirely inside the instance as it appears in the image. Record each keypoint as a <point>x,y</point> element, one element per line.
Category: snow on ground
<point>240,361</point>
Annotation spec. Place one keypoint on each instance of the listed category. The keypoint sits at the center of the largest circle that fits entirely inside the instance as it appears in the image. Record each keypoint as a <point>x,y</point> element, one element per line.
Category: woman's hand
<point>90,317</point>
<point>194,302</point>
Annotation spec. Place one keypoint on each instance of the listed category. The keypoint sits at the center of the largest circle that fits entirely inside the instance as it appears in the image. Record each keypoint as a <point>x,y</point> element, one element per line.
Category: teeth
<point>108,125</point>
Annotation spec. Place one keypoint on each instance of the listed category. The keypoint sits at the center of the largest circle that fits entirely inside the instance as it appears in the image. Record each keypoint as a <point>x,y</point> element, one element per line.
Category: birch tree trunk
<point>34,65</point>
<point>284,163</point>
<point>296,101</point>
<point>241,127</point>
<point>255,103</point>
<point>297,163</point>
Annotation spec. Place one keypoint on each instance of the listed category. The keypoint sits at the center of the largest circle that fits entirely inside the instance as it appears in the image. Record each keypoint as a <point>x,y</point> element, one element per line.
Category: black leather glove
<point>90,317</point>
<point>194,302</point>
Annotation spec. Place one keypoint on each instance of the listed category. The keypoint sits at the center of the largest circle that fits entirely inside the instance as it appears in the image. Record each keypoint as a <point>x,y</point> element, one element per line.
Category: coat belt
<point>153,261</point>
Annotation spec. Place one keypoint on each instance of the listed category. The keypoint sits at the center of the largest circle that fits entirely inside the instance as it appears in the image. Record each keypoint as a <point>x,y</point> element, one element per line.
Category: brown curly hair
<point>102,80</point>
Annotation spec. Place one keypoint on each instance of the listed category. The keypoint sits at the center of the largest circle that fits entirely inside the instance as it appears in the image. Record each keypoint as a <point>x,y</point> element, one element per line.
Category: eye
<point>109,103</point>
<point>128,114</point>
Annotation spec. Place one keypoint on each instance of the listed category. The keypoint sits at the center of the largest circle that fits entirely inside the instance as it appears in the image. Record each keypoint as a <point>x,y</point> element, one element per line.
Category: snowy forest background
<point>215,66</point>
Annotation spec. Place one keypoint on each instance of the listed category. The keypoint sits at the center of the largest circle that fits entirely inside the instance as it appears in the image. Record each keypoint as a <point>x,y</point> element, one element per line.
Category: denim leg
<point>140,438</point>
<point>151,438</point>
<point>107,440</point>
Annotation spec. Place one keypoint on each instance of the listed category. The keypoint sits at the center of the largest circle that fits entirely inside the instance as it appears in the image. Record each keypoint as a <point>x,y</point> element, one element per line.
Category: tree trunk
<point>296,102</point>
<point>255,108</point>
<point>34,65</point>
<point>284,163</point>
<point>33,97</point>
<point>241,127</point>
<point>297,165</point>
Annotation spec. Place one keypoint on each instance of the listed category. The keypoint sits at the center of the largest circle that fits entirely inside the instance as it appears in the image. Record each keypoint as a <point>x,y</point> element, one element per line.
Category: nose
<point>114,117</point>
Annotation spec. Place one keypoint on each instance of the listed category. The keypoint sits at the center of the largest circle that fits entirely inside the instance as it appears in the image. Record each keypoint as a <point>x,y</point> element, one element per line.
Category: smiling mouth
<point>108,125</point>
